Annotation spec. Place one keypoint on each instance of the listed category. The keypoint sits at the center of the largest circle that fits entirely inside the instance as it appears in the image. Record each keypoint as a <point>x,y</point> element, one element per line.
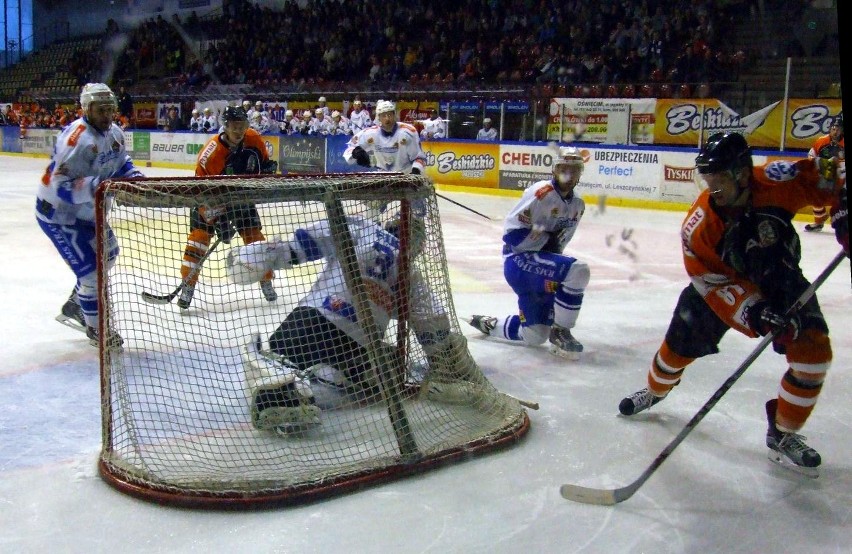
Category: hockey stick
<point>609,497</point>
<point>167,298</point>
<point>462,206</point>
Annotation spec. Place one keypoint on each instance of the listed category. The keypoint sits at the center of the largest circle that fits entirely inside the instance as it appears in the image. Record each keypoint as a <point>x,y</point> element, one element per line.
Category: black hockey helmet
<point>838,122</point>
<point>726,151</point>
<point>234,113</point>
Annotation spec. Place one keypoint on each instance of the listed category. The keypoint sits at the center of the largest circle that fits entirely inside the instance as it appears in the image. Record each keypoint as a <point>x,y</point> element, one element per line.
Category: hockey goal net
<point>180,396</point>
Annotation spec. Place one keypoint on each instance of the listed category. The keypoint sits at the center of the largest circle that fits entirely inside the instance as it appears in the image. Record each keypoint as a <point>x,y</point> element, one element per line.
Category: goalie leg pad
<point>279,398</point>
<point>289,404</point>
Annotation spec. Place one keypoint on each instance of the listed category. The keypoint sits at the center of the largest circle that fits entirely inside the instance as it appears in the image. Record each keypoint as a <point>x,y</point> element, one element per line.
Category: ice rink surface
<point>716,494</point>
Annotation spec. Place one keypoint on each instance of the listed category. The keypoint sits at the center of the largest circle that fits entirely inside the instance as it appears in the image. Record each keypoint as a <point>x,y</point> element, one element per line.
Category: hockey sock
<point>796,401</point>
<point>666,370</point>
<point>508,328</point>
<point>196,247</point>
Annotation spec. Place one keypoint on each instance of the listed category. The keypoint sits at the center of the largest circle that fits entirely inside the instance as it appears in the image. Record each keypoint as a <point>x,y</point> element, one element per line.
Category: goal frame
<point>394,390</point>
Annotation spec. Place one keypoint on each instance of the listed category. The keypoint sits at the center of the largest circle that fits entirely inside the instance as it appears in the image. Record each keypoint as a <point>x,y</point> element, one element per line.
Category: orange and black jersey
<point>216,158</point>
<point>824,147</point>
<point>777,185</point>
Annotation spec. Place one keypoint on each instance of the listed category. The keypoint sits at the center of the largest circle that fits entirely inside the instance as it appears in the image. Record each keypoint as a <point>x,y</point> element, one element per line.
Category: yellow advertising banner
<point>470,164</point>
<point>679,122</point>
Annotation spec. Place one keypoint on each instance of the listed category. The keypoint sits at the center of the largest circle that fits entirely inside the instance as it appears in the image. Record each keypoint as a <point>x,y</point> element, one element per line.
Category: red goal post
<point>178,426</point>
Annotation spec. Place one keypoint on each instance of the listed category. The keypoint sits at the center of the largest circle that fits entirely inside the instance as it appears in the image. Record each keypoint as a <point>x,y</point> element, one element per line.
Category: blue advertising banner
<point>301,154</point>
<point>334,162</point>
<point>11,139</point>
<point>512,106</point>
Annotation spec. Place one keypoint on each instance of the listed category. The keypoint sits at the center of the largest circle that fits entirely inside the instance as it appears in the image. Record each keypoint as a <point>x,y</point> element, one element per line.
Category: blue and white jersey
<point>360,120</point>
<point>82,158</point>
<point>377,252</point>
<point>398,150</point>
<point>542,220</point>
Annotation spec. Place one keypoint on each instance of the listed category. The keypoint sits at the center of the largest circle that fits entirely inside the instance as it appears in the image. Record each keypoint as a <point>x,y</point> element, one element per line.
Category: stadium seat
<point>647,91</point>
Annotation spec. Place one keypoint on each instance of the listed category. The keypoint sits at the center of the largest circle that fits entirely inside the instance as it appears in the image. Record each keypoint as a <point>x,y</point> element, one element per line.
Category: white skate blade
<point>556,351</point>
<point>782,461</point>
<point>70,322</point>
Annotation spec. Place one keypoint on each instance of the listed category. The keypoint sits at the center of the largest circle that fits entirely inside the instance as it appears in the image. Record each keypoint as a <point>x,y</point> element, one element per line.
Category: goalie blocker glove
<point>361,156</point>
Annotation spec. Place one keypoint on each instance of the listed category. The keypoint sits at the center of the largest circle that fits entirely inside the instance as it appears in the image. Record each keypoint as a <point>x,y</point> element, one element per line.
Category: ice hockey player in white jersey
<point>359,119</point>
<point>211,121</point>
<point>321,338</point>
<point>196,122</point>
<point>394,146</point>
<point>335,125</point>
<point>88,151</point>
<point>549,284</point>
<point>434,127</point>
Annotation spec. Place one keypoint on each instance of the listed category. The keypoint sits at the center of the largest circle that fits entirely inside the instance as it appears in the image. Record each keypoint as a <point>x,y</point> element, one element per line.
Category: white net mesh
<point>360,373</point>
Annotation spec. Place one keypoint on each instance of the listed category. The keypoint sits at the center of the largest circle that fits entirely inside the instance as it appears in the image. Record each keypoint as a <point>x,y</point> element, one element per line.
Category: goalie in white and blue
<point>322,339</point>
<point>88,151</point>
<point>549,284</point>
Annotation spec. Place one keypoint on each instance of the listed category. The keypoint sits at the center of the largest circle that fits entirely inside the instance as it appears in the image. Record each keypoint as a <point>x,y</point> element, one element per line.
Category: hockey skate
<point>789,449</point>
<point>72,314</point>
<point>637,402</point>
<point>186,297</point>
<point>814,227</point>
<point>563,344</point>
<point>113,340</point>
<point>483,323</point>
<point>268,291</point>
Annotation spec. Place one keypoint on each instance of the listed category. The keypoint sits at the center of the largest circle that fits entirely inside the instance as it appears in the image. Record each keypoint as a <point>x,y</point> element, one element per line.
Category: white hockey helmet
<point>195,112</point>
<point>385,106</point>
<point>96,93</point>
<point>335,114</point>
<point>246,105</point>
<point>306,113</point>
<point>568,155</point>
<point>208,110</point>
<point>288,113</point>
<point>258,104</point>
<point>321,99</point>
<point>319,111</point>
<point>356,103</point>
<point>568,165</point>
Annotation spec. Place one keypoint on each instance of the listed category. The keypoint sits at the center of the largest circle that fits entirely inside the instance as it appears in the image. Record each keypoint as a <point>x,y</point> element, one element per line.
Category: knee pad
<point>535,334</point>
<point>578,276</point>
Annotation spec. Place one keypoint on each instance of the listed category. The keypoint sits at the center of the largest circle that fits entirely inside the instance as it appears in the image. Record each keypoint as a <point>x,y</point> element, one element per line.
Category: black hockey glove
<point>415,171</point>
<point>840,221</point>
<point>361,157</point>
<point>269,167</point>
<point>763,320</point>
<point>224,230</point>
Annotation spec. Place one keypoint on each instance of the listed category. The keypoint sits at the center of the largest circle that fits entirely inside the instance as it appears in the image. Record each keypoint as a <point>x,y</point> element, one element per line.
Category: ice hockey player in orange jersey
<point>827,147</point>
<point>237,150</point>
<point>742,255</point>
